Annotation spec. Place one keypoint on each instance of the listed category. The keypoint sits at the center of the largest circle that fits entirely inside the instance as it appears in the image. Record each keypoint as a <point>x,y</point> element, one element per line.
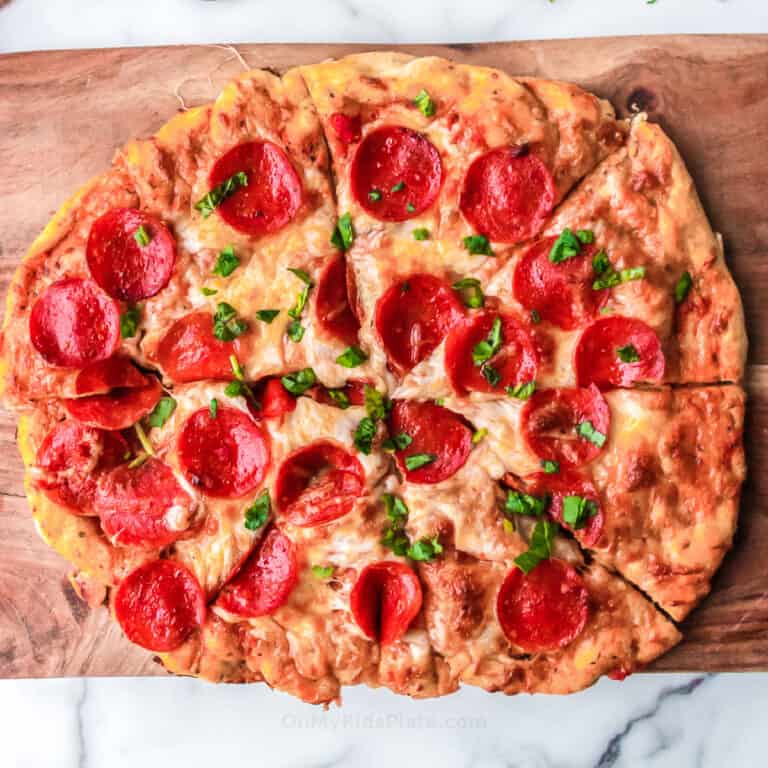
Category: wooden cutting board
<point>63,114</point>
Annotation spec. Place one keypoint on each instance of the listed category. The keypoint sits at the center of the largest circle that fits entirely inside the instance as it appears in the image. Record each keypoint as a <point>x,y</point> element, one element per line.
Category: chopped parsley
<point>519,503</point>
<point>295,331</point>
<point>299,382</point>
<point>567,246</point>
<point>142,237</point>
<point>162,411</point>
<point>417,460</point>
<point>479,435</point>
<point>425,550</point>
<point>206,291</point>
<point>410,207</point>
<point>420,233</point>
<point>377,406</point>
<point>340,397</point>
<point>484,350</point>
<point>535,317</point>
<point>374,195</point>
<point>213,407</point>
<point>521,391</point>
<point>258,513</point>
<point>577,510</point>
<point>344,234</point>
<point>397,442</point>
<point>322,572</point>
<point>683,287</point>
<point>601,263</point>
<point>491,375</point>
<point>352,357</point>
<point>364,434</point>
<point>399,187</point>
<point>208,204</point>
<point>471,292</point>
<point>539,547</point>
<point>425,104</point>
<point>267,315</point>
<point>478,244</point>
<point>226,262</point>
<point>611,278</point>
<point>129,322</point>
<point>550,467</point>
<point>227,326</point>
<point>587,430</point>
<point>628,354</point>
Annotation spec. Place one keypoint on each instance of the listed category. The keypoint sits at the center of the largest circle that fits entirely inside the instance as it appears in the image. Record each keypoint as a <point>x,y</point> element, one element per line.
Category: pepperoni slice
<point>125,269</point>
<point>414,316</point>
<point>143,506</point>
<point>318,484</point>
<point>275,400</point>
<point>70,459</point>
<point>226,456</point>
<point>265,581</point>
<point>516,362</point>
<point>189,351</point>
<point>561,293</point>
<point>346,127</point>
<point>159,604</point>
<point>563,484</point>
<point>550,420</point>
<point>353,390</point>
<point>74,323</point>
<point>385,600</point>
<point>118,409</point>
<point>403,166</point>
<point>434,431</point>
<point>545,609</point>
<point>334,313</point>
<point>273,194</point>
<point>507,194</point>
<point>598,357</point>
<point>98,378</point>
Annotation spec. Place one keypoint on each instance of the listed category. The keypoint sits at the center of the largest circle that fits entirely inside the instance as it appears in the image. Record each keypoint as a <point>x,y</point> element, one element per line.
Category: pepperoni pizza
<point>387,370</point>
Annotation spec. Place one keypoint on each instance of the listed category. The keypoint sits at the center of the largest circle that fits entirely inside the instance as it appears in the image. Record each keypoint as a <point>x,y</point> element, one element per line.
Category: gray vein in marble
<point>82,755</point>
<point>612,752</point>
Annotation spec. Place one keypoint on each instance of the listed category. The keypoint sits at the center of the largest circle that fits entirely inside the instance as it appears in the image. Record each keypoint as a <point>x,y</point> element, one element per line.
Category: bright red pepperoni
<point>561,293</point>
<point>273,194</point>
<point>226,456</point>
<point>118,409</point>
<point>159,604</point>
<point>388,158</point>
<point>507,194</point>
<point>566,483</point>
<point>74,323</point>
<point>545,609</point>
<point>143,506</point>
<point>334,313</point>
<point>189,351</point>
<point>516,362</point>
<point>346,127</point>
<point>275,400</point>
<point>98,378</point>
<point>597,357</point>
<point>266,580</point>
<point>71,459</point>
<point>353,390</point>
<point>318,484</point>
<point>125,269</point>
<point>550,420</point>
<point>385,600</point>
<point>435,431</point>
<point>414,316</point>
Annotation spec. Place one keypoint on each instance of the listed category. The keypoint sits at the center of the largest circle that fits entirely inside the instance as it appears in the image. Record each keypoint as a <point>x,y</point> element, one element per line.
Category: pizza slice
<point>627,285</point>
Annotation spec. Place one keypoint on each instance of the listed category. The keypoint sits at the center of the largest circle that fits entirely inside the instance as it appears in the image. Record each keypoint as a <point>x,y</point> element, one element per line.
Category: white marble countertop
<point>649,720</point>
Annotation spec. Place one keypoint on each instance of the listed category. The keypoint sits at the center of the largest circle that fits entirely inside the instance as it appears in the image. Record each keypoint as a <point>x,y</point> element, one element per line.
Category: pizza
<point>386,370</point>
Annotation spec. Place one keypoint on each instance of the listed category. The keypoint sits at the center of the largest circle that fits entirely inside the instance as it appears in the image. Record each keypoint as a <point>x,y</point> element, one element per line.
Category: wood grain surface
<point>63,114</point>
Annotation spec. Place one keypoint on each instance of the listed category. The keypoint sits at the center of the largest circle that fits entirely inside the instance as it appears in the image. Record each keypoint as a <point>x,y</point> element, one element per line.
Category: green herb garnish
<point>352,357</point>
<point>208,204</point>
<point>478,244</point>
<point>226,262</point>
<point>258,513</point>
